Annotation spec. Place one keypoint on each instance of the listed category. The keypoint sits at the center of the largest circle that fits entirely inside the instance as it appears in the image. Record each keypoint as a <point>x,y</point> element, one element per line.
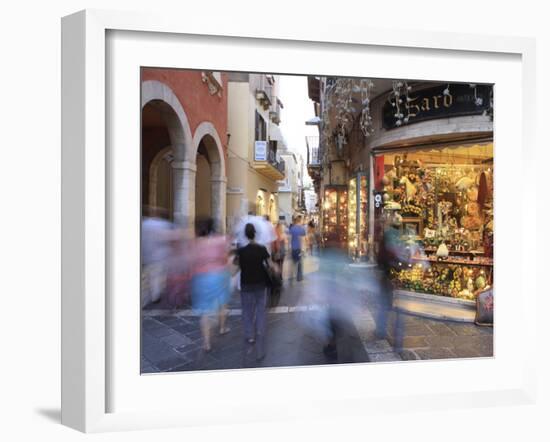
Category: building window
<point>272,155</point>
<point>260,128</point>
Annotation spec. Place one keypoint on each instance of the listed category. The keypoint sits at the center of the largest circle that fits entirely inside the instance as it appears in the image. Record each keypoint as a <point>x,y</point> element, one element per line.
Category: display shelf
<point>467,262</point>
<point>457,252</point>
<point>445,279</point>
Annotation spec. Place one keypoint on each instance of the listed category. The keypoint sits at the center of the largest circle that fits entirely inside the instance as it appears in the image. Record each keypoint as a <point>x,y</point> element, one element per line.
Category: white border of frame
<point>84,198</point>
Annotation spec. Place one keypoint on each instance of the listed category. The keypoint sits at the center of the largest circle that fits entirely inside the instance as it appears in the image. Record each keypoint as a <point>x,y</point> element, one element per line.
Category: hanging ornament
<point>366,119</point>
<point>399,99</point>
<point>477,100</point>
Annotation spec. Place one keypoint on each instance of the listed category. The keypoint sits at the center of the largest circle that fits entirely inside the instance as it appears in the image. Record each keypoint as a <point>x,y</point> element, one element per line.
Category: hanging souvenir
<point>483,190</point>
<point>410,188</point>
<point>464,183</point>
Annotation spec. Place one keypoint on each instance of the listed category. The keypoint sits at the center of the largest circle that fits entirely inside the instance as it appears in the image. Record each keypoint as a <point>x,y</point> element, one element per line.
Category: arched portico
<point>161,107</point>
<point>169,110</point>
<point>206,142</point>
<point>161,96</point>
<point>158,195</point>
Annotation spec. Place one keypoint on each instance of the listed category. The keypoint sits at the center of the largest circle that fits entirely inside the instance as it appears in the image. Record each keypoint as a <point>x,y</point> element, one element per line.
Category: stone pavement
<point>427,339</point>
<point>173,343</point>
<point>297,330</point>
<point>433,339</point>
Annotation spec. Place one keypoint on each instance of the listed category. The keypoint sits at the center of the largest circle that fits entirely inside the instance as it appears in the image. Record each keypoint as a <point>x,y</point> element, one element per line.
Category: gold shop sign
<point>438,102</point>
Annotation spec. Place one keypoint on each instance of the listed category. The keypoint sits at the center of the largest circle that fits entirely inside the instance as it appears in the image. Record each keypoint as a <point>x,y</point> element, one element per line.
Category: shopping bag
<point>236,281</point>
<point>273,276</point>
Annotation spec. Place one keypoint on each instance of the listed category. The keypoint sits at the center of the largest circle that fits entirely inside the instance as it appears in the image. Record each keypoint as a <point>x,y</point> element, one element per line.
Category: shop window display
<point>445,200</point>
<point>335,216</point>
<point>357,217</point>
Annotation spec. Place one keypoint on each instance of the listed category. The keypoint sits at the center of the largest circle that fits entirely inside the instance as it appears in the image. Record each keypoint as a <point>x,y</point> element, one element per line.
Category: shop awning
<point>275,133</point>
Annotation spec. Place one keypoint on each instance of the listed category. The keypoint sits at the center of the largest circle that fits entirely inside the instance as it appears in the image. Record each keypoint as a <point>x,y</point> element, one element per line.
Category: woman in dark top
<point>253,290</point>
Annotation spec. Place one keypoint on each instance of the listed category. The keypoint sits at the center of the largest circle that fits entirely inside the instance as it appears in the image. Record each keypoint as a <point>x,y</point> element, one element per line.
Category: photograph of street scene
<point>302,220</point>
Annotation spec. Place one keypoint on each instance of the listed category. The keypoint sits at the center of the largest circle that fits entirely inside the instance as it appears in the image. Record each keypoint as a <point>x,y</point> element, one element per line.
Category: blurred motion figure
<point>311,237</point>
<point>278,257</point>
<point>392,255</point>
<point>156,236</point>
<point>210,283</point>
<point>297,233</point>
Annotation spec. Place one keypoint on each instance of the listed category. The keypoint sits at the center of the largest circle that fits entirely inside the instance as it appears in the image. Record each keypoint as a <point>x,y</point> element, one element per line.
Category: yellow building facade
<point>253,164</point>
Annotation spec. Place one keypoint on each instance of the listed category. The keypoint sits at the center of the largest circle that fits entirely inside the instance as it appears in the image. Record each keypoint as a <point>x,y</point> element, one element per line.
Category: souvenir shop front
<point>345,216</point>
<point>440,198</point>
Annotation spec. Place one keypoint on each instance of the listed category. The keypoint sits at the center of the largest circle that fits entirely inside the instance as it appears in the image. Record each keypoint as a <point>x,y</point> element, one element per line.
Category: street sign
<point>234,190</point>
<point>260,151</point>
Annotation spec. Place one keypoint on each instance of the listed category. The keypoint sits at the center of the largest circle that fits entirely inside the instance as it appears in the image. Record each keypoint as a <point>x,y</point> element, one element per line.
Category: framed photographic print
<point>413,226</point>
<point>192,181</point>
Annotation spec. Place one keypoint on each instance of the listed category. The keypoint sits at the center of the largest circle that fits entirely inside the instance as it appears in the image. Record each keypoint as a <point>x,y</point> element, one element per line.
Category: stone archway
<point>163,99</point>
<point>207,142</point>
<point>156,185</point>
<point>260,205</point>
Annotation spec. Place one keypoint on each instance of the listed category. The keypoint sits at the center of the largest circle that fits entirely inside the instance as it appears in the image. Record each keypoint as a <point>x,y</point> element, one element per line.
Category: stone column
<point>218,202</point>
<point>184,178</point>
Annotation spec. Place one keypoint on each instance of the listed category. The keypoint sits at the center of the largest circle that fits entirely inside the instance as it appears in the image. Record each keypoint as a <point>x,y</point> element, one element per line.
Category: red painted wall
<point>194,97</point>
<point>378,172</point>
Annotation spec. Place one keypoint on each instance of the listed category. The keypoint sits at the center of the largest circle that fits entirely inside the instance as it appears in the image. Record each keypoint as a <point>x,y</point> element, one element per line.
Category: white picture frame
<point>87,210</point>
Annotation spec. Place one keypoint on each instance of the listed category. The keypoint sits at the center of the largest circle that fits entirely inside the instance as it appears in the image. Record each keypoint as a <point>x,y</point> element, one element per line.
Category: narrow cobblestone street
<point>297,330</point>
<point>172,343</point>
<point>437,339</point>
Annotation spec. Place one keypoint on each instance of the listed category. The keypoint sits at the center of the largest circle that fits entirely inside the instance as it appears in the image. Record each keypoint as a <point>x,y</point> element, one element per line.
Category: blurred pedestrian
<point>297,233</point>
<point>252,260</point>
<point>270,235</point>
<point>278,256</point>
<point>156,237</point>
<point>210,283</point>
<point>311,237</point>
<point>341,305</point>
<point>179,269</point>
<point>391,257</point>
<point>265,233</point>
